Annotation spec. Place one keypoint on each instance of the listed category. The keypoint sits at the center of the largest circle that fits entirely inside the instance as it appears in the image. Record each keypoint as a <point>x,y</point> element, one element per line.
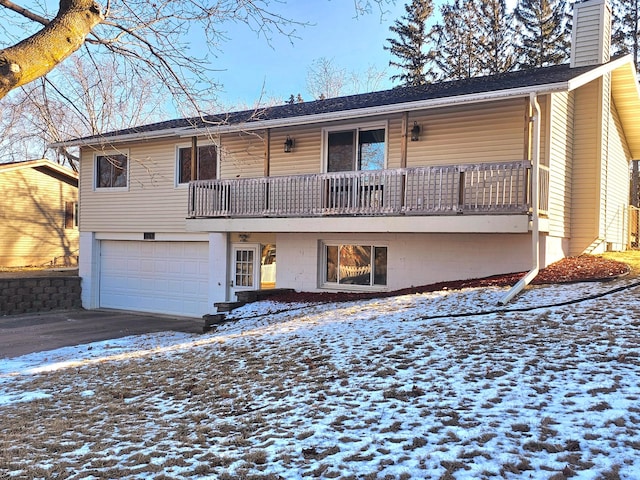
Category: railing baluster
<point>497,187</point>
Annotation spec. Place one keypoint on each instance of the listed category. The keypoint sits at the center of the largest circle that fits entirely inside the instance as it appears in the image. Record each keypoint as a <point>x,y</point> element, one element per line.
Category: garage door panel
<point>159,277</point>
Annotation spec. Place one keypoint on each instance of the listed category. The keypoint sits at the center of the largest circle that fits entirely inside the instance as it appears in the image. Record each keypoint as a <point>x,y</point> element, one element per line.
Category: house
<point>371,192</point>
<point>38,214</point>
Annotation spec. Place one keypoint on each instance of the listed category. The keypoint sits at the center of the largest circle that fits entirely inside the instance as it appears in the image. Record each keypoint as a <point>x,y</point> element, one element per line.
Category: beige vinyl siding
<point>305,157</point>
<point>486,132</point>
<point>560,163</point>
<point>394,137</point>
<point>617,197</point>
<point>585,193</point>
<point>32,219</point>
<point>242,155</point>
<point>152,202</point>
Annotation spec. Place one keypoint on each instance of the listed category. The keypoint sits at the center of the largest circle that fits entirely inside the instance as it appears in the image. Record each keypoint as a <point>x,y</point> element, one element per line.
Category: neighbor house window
<point>206,163</point>
<point>70,215</point>
<point>347,264</point>
<point>353,149</point>
<point>112,170</point>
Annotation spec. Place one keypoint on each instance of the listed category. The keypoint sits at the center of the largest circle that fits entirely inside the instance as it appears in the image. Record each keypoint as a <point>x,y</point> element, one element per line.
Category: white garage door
<point>158,277</point>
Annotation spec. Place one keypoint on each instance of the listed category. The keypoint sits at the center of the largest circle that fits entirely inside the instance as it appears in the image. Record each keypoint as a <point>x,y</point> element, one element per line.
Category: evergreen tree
<point>626,28</point>
<point>412,45</point>
<point>496,37</point>
<point>544,39</point>
<point>459,50</point>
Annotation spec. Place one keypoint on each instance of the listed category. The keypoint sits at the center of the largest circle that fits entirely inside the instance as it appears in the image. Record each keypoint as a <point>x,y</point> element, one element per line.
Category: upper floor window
<point>206,163</point>
<point>351,149</point>
<point>112,170</point>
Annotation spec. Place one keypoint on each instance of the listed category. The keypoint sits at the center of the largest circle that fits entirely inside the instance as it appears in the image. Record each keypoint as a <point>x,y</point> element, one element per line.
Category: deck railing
<point>435,190</point>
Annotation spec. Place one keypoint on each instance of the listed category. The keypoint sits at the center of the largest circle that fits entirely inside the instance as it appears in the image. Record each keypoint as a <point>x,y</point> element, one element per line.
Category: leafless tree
<point>80,98</point>
<point>326,79</point>
<point>150,36</point>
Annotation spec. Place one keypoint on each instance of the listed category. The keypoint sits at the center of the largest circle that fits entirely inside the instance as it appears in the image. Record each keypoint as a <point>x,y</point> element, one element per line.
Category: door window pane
<point>371,149</point>
<point>244,268</point>
<point>341,152</point>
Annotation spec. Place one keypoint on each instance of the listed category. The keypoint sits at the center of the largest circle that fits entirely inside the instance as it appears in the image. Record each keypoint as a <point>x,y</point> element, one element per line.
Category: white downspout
<point>535,218</point>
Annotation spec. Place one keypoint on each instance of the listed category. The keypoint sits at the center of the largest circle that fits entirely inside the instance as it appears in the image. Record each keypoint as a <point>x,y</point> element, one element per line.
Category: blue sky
<point>353,43</point>
<point>250,66</point>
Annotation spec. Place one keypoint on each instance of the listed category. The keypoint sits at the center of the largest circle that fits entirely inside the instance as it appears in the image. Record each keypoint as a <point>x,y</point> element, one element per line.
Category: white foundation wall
<point>412,259</point>
<point>552,249</point>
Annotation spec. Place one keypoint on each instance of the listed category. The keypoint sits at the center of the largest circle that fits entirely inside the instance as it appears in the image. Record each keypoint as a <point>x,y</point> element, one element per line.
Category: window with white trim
<point>351,149</point>
<point>354,264</point>
<point>112,170</point>
<point>206,163</point>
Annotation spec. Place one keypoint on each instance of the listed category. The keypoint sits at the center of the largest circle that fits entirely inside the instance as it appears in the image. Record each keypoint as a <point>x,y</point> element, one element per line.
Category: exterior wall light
<point>415,132</point>
<point>289,143</point>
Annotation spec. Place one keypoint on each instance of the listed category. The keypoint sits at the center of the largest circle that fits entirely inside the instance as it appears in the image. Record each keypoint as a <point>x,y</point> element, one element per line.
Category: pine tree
<point>544,38</point>
<point>459,51</point>
<point>496,37</point>
<point>412,47</point>
<point>626,28</point>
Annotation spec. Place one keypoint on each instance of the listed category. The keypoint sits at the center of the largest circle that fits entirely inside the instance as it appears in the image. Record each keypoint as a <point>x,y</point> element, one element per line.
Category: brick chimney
<point>591,34</point>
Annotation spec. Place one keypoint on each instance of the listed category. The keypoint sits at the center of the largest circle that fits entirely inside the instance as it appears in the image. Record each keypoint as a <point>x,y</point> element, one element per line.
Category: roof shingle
<point>398,95</point>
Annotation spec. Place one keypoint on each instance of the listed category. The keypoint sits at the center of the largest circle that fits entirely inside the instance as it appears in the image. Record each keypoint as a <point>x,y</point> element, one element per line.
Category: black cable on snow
<point>467,314</point>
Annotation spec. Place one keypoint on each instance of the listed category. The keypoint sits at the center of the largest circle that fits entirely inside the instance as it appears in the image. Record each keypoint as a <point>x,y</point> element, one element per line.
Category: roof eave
<point>44,163</point>
<point>379,110</point>
<point>598,71</point>
<point>101,142</point>
<point>110,140</point>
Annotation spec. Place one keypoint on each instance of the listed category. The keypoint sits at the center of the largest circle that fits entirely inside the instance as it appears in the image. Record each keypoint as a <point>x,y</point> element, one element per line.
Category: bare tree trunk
<point>39,54</point>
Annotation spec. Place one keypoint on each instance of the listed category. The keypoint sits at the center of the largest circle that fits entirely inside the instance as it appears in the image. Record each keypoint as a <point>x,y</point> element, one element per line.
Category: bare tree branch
<point>24,12</point>
<point>39,54</point>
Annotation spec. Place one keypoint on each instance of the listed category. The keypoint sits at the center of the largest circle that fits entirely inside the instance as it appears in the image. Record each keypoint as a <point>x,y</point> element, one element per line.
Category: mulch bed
<point>572,269</point>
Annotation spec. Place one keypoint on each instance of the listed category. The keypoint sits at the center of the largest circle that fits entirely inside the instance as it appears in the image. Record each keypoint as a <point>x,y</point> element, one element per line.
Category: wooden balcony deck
<point>486,188</point>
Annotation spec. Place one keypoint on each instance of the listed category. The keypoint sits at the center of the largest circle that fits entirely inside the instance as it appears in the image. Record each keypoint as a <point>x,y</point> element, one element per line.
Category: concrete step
<point>250,296</point>
<point>228,306</point>
<point>212,321</point>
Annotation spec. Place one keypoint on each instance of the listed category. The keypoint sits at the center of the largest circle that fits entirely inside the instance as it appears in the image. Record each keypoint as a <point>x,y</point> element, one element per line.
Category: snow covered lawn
<point>445,385</point>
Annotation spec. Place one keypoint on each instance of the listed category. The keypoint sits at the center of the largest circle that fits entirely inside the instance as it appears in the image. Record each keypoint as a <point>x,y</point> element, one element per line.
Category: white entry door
<point>245,267</point>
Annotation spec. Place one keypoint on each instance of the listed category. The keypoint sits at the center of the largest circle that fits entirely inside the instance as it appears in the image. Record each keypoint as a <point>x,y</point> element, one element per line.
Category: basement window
<point>354,264</point>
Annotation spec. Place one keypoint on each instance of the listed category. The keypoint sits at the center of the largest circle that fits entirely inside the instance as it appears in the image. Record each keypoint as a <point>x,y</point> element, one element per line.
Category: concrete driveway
<point>29,333</point>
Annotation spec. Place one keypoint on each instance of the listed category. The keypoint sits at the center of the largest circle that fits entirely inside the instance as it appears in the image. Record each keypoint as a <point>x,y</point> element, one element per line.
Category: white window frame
<point>179,146</point>
<point>322,268</point>
<point>106,153</point>
<point>324,150</point>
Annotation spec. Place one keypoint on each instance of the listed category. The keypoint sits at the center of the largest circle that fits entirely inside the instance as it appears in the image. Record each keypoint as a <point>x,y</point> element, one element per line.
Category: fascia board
<point>110,140</point>
<point>598,72</point>
<point>39,163</point>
